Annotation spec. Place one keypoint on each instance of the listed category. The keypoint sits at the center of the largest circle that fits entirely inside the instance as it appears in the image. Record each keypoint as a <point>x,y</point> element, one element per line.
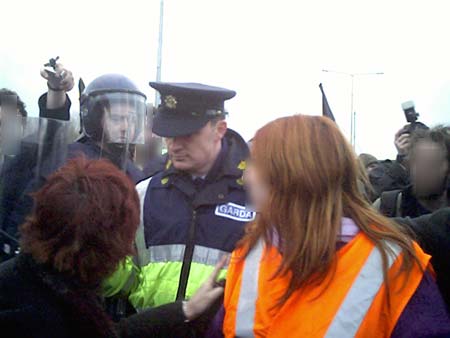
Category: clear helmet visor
<point>123,117</point>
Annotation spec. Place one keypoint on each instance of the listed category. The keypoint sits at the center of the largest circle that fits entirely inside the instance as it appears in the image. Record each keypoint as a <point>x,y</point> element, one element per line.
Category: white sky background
<point>271,52</point>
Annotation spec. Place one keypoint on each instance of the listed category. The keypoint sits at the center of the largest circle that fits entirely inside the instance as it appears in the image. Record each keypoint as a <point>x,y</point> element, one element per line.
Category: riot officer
<point>113,114</point>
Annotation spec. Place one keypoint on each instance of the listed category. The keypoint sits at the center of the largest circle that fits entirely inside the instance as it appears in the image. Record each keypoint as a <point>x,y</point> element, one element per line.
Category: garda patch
<point>235,212</point>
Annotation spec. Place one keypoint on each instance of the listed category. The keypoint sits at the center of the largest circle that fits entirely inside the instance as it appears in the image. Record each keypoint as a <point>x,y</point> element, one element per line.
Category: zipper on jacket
<point>187,258</point>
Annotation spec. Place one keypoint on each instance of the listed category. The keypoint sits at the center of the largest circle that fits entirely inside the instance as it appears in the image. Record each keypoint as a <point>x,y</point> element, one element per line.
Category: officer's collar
<point>218,163</point>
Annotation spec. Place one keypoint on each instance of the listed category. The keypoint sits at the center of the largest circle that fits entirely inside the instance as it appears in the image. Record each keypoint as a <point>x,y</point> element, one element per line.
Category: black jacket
<point>38,302</point>
<point>433,234</point>
<point>387,176</point>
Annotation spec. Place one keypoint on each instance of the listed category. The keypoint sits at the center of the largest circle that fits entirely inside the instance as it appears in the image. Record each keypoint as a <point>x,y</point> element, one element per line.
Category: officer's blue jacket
<point>187,225</point>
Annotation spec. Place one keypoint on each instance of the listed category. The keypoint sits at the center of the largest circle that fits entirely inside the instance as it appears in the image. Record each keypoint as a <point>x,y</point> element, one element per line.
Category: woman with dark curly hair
<point>83,225</point>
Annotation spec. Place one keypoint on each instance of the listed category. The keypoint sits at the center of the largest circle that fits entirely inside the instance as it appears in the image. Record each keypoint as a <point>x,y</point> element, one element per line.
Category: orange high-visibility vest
<point>350,303</point>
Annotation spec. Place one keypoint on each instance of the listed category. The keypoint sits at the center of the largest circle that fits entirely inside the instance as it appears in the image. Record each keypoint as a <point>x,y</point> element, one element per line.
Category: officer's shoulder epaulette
<point>160,180</point>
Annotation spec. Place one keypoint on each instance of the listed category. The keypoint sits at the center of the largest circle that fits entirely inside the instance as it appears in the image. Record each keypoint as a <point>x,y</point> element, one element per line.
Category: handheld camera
<point>410,111</point>
<point>411,117</point>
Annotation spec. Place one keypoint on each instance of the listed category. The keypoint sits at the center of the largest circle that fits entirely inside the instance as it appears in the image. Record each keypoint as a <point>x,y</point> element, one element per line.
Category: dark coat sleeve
<point>168,321</point>
<point>62,113</point>
<point>163,321</point>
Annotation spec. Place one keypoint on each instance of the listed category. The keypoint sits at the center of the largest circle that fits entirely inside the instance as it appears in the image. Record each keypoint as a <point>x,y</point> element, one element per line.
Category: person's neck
<point>203,172</point>
<point>434,203</point>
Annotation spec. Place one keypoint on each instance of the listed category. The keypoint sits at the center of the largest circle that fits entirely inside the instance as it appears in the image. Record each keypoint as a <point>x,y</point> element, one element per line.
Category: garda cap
<point>187,107</point>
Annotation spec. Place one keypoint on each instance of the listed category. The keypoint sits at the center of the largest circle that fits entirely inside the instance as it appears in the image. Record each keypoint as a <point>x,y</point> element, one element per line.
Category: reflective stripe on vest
<point>142,254</point>
<point>175,253</point>
<point>362,292</point>
<point>350,314</point>
<point>159,277</point>
<point>247,300</point>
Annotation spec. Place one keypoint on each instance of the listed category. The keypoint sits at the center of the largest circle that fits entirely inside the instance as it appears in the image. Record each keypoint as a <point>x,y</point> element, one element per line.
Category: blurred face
<point>11,130</point>
<point>429,169</point>
<point>4,111</point>
<point>119,123</point>
<point>257,187</point>
<point>196,153</point>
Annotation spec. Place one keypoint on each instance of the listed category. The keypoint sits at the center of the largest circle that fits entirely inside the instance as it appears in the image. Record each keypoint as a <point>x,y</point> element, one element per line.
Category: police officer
<point>112,116</point>
<point>113,112</point>
<point>195,210</point>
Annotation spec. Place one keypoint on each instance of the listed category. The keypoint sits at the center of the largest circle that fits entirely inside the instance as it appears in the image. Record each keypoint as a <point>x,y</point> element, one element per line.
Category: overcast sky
<point>271,52</point>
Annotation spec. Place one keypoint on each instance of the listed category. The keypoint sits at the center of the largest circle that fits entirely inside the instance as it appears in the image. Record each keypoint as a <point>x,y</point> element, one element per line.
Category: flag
<point>326,110</point>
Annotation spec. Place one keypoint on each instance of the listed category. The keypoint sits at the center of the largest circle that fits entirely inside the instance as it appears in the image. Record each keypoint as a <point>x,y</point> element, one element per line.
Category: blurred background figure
<point>369,167</point>
<point>41,138</point>
<point>429,167</point>
<point>10,99</point>
<point>155,156</point>
<point>388,175</point>
<point>369,162</point>
<point>25,142</point>
<point>10,104</point>
<point>83,225</point>
<point>151,156</point>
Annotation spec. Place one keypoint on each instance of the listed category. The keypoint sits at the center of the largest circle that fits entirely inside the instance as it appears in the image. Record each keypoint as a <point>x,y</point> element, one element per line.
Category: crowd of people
<point>291,235</point>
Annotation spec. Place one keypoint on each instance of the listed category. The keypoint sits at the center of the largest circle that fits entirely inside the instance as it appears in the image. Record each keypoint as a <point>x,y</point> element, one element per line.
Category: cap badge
<point>170,101</point>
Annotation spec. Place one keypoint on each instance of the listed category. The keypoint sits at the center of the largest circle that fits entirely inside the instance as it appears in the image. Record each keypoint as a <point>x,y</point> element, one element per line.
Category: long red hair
<point>313,176</point>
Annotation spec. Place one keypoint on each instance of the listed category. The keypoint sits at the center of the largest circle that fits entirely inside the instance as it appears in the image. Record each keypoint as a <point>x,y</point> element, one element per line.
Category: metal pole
<point>160,43</point>
<point>352,112</point>
<point>352,120</point>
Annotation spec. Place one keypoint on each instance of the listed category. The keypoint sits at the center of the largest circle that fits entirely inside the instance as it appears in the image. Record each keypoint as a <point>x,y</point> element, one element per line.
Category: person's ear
<point>221,129</point>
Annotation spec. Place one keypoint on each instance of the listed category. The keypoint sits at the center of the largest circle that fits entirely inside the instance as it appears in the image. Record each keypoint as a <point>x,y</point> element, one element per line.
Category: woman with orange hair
<point>318,261</point>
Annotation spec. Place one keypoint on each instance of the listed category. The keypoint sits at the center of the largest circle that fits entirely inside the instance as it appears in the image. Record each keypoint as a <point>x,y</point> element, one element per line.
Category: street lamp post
<point>352,111</point>
<point>160,43</point>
